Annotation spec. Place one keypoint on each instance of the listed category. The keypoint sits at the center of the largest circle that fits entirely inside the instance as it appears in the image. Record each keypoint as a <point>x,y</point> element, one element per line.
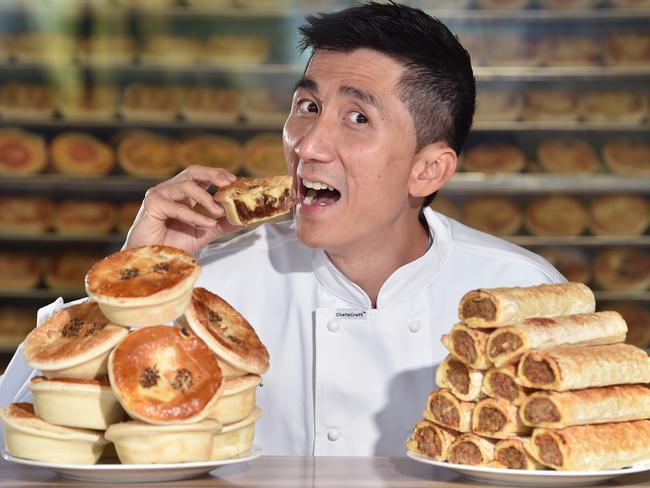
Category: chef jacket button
<point>334,325</point>
<point>414,326</point>
<point>334,434</point>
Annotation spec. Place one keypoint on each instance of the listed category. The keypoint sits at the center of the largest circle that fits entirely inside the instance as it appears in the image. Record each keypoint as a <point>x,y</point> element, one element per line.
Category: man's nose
<point>317,142</point>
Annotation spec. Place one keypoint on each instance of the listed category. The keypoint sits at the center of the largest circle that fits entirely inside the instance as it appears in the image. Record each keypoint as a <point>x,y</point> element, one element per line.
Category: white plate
<point>135,473</point>
<point>516,477</point>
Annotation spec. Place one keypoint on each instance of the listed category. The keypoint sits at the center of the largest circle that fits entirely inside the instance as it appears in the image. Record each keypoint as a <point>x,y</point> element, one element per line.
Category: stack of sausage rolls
<point>536,379</point>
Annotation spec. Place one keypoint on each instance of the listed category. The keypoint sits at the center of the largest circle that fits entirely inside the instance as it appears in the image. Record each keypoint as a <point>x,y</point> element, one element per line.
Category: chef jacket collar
<point>405,282</point>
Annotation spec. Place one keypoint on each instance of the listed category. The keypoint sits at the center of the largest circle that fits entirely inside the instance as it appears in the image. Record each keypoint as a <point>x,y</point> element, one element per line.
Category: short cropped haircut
<point>438,86</point>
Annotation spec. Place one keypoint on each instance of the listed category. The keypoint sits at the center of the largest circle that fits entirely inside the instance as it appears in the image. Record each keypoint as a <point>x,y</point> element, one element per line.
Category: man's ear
<point>433,165</point>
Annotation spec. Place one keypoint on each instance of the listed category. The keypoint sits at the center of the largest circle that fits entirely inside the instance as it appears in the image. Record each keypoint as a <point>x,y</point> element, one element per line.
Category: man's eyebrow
<point>363,95</point>
<point>307,84</point>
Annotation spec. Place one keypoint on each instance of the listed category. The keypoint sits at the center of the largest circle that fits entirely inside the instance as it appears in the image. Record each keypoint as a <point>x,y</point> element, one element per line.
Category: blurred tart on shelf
<point>89,103</point>
<point>498,105</point>
<point>81,154</point>
<point>628,49</point>
<point>150,102</point>
<point>126,215</point>
<point>210,104</point>
<point>556,215</point>
<point>142,153</point>
<point>20,270</point>
<point>22,153</point>
<point>612,106</point>
<point>502,4</point>
<point>568,4</point>
<point>66,271</point>
<point>446,207</point>
<point>492,214</point>
<point>621,215</point>
<point>637,318</point>
<point>571,262</point>
<point>76,217</point>
<point>266,105</point>
<point>264,155</point>
<point>236,49</point>
<point>511,51</point>
<point>494,158</point>
<point>622,269</point>
<point>15,324</point>
<point>210,150</point>
<point>44,47</point>
<point>570,51</point>
<point>107,49</point>
<point>627,157</point>
<point>550,105</point>
<point>567,155</point>
<point>170,50</point>
<point>27,100</point>
<point>25,215</point>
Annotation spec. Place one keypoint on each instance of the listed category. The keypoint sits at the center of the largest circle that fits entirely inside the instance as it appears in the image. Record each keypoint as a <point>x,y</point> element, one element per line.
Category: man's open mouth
<point>317,193</point>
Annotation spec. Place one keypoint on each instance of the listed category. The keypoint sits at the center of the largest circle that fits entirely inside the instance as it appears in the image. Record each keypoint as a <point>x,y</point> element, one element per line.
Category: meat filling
<point>464,346</point>
<point>466,453</point>
<point>428,442</point>
<point>458,376</point>
<point>504,343</point>
<point>549,451</point>
<point>491,420</point>
<point>265,206</point>
<point>479,307</point>
<point>541,410</point>
<point>444,411</point>
<point>504,386</point>
<point>512,457</point>
<point>538,372</point>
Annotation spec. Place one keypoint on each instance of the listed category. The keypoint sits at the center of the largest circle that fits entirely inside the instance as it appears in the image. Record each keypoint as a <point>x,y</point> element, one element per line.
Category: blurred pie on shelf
<point>567,156</point>
<point>630,3</point>
<point>150,102</point>
<point>236,49</point>
<point>211,104</point>
<point>622,269</point>
<point>208,150</point>
<point>445,206</point>
<point>495,105</point>
<point>15,324</point>
<point>503,4</point>
<point>570,51</point>
<point>66,271</point>
<point>628,49</point>
<point>6,48</point>
<point>552,105</point>
<point>568,4</point>
<point>44,47</point>
<point>615,106</point>
<point>25,100</point>
<point>75,217</point>
<point>556,215</point>
<point>89,103</point>
<point>494,158</point>
<point>78,153</point>
<point>170,50</point>
<point>126,215</point>
<point>571,262</point>
<point>107,49</point>
<point>264,155</point>
<point>492,214</point>
<point>473,44</point>
<point>511,51</point>
<point>142,153</point>
<point>627,157</point>
<point>19,270</point>
<point>29,215</point>
<point>622,214</point>
<point>637,318</point>
<point>267,105</point>
<point>21,153</point>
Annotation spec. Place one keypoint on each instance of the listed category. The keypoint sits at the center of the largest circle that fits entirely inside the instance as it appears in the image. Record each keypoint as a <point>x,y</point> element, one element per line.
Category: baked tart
<point>15,324</point>
<point>171,50</point>
<point>622,269</point>
<point>20,271</point>
<point>567,156</point>
<point>25,100</point>
<point>264,155</point>
<point>165,375</point>
<point>614,106</point>
<point>227,333</point>
<point>149,102</point>
<point>89,103</point>
<point>109,49</point>
<point>494,158</point>
<point>237,400</point>
<point>78,153</point>
<point>570,51</point>
<point>208,150</point>
<point>498,105</point>
<point>141,443</point>
<point>87,404</point>
<point>66,271</point>
<point>235,439</point>
<point>555,105</point>
<point>628,49</point>
<point>143,286</point>
<point>572,263</point>
<point>236,49</point>
<point>620,215</point>
<point>21,153</point>
<point>492,214</point>
<point>29,437</point>
<point>126,215</point>
<point>627,157</point>
<point>75,217</point>
<point>25,215</point>
<point>556,215</point>
<point>211,104</point>
<point>73,343</point>
<point>142,153</point>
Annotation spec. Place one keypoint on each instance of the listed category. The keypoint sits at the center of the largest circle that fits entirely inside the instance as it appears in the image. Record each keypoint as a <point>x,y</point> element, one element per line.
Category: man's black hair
<point>438,86</point>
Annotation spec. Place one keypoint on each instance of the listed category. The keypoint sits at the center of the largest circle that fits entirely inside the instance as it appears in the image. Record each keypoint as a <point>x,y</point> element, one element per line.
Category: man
<point>352,297</point>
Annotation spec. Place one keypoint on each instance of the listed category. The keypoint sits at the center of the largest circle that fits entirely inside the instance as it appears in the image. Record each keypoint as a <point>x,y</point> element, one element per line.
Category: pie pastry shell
<point>140,443</point>
<point>87,404</point>
<point>28,437</point>
<point>237,400</point>
<point>21,153</point>
<point>235,439</point>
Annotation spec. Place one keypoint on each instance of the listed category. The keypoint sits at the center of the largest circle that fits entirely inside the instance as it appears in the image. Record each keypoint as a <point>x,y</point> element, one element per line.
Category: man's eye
<point>358,118</point>
<point>307,106</point>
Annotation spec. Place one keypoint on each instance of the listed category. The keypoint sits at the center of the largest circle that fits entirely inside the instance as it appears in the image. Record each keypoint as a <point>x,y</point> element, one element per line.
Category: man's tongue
<point>321,197</point>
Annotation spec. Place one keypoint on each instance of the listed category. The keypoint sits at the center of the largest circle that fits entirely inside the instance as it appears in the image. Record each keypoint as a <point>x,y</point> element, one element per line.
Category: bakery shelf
<point>42,295</point>
<point>533,15</point>
<point>114,185</point>
<point>561,126</point>
<point>579,241</point>
<point>53,238</point>
<point>533,73</point>
<point>642,296</point>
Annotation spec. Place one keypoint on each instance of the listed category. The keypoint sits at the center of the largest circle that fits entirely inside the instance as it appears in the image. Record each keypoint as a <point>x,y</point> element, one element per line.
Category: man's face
<point>350,143</point>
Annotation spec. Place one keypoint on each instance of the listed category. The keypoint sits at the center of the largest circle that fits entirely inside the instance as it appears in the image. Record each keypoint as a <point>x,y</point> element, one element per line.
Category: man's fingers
<point>189,193</point>
<point>216,176</point>
<point>161,208</point>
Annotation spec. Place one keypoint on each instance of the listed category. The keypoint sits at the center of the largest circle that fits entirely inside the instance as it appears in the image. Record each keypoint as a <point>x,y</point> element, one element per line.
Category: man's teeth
<point>309,197</point>
<point>317,185</point>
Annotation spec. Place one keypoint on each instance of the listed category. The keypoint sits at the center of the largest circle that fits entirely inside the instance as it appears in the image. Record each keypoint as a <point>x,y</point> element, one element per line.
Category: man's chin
<point>312,235</point>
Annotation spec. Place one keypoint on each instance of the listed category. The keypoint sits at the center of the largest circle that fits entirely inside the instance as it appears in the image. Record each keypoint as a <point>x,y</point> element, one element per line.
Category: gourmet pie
<point>29,437</point>
<point>141,443</point>
<point>555,105</point>
<point>250,200</point>
<point>208,150</point>
<point>569,261</point>
<point>637,317</point>
<point>264,155</point>
<point>88,404</point>
<point>237,400</point>
<point>165,375</point>
<point>622,214</point>
<point>622,269</point>
<point>615,106</point>
<point>223,48</point>
<point>464,382</point>
<point>211,104</point>
<point>227,333</point>
<point>494,158</point>
<point>66,271</point>
<point>145,285</point>
<point>74,217</point>
<point>78,153</point>
<point>89,103</point>
<point>570,51</point>
<point>19,271</point>
<point>25,100</point>
<point>628,49</point>
<point>493,214</point>
<point>150,102</point>
<point>21,215</point>
<point>431,440</point>
<point>498,419</point>
<point>567,156</point>
<point>142,153</point>
<point>73,343</point>
<point>21,153</point>
<point>235,439</point>
<point>556,215</point>
<point>170,50</point>
<point>627,157</point>
<point>494,105</point>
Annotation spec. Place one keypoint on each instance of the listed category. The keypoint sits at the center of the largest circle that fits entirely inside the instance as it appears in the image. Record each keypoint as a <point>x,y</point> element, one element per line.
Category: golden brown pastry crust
<point>511,51</point>
<point>623,269</point>
<point>615,106</point>
<point>431,440</point>
<point>556,215</point>
<point>628,49</point>
<point>83,217</point>
<point>500,383</point>
<point>25,214</point>
<point>498,419</point>
<point>570,51</point>
<point>471,449</point>
<point>567,156</point>
<point>494,105</point>
<point>514,454</point>
<point>493,214</point>
<point>212,104</point>
<point>78,153</point>
<point>19,271</point>
<point>21,153</point>
<point>141,153</point>
<point>622,214</point>
<point>468,345</point>
<point>209,150</point>
<point>540,105</point>
<point>627,157</point>
<point>150,102</point>
<point>464,382</point>
<point>264,155</point>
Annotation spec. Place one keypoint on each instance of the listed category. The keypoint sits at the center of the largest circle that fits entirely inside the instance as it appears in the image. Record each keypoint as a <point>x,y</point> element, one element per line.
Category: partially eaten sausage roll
<point>576,367</point>
<point>500,383</point>
<point>472,450</point>
<point>468,345</point>
<point>592,447</point>
<point>463,381</point>
<point>556,410</point>
<point>496,307</point>
<point>445,409</point>
<point>431,440</point>
<point>514,454</point>
<point>506,345</point>
<point>497,419</point>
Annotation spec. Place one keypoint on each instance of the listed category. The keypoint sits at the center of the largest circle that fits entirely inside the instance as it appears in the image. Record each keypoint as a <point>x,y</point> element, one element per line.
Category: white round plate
<point>135,473</point>
<point>516,477</point>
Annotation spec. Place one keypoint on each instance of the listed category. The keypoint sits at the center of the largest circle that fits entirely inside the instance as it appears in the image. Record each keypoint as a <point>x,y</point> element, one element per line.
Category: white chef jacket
<point>346,379</point>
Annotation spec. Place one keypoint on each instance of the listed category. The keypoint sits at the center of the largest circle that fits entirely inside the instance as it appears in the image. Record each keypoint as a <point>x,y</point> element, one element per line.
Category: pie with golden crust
<point>264,155</point>
<point>496,105</point>
<point>236,49</point>
<point>556,215</point>
<point>66,271</point>
<point>25,100</point>
<point>21,153</point>
<point>211,104</point>
<point>165,375</point>
<point>494,158</point>
<point>637,318</point>
<point>570,51</point>
<point>226,332</point>
<point>553,105</point>
<point>142,153</point>
<point>143,286</point>
<point>237,400</point>
<point>622,269</point>
<point>78,153</point>
<point>568,4</point>
<point>74,217</point>
<point>617,106</point>
<point>572,263</point>
<point>73,343</point>
<point>20,215</point>
<point>149,102</point>
<point>492,214</point>
<point>511,51</point>
<point>630,3</point>
<point>19,271</point>
<point>628,49</point>
<point>502,4</point>
<point>89,103</point>
<point>567,156</point>
<point>627,157</point>
<point>622,214</point>
<point>208,150</point>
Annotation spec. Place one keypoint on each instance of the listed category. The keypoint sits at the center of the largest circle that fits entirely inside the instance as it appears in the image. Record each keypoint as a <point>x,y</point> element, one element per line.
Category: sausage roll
<point>497,307</point>
<point>431,440</point>
<point>472,450</point>
<point>592,447</point>
<point>500,383</point>
<point>468,345</point>
<point>464,382</point>
<point>514,454</point>
<point>556,410</point>
<point>498,419</point>
<point>445,409</point>
<point>575,367</point>
<point>507,344</point>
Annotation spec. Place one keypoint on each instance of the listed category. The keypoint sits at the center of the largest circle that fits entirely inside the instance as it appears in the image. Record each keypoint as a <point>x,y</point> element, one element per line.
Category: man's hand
<point>169,214</point>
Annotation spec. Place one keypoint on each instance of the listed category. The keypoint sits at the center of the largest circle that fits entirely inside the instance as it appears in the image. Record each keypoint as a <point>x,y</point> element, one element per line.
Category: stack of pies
<point>627,157</point>
<point>264,155</point>
<point>210,104</point>
<point>142,153</point>
<point>537,379</point>
<point>78,153</point>
<point>493,214</point>
<point>21,153</point>
<point>150,102</point>
<point>208,150</point>
<point>29,101</point>
<point>89,103</point>
<point>74,217</point>
<point>556,215</point>
<point>567,156</point>
<point>19,270</point>
<point>25,215</point>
